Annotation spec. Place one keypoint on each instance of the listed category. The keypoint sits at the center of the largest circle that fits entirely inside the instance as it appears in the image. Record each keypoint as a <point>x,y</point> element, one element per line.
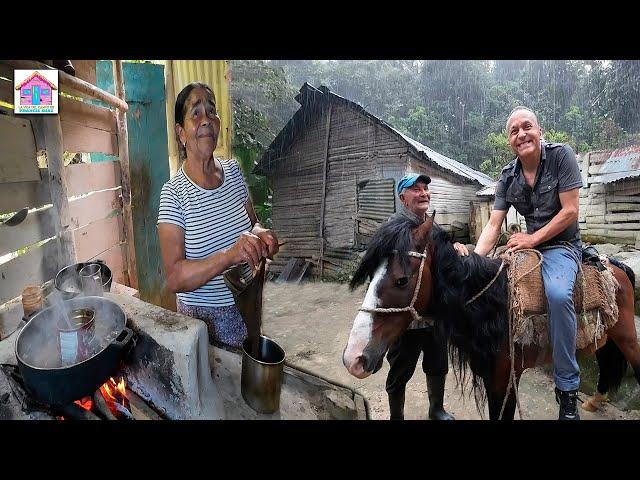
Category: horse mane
<point>478,331</point>
<point>392,237</point>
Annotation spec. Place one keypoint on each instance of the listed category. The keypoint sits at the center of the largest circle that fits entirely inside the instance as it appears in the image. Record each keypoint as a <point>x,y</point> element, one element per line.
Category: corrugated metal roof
<point>489,191</point>
<point>448,163</point>
<point>622,163</point>
<point>439,159</point>
<point>428,154</point>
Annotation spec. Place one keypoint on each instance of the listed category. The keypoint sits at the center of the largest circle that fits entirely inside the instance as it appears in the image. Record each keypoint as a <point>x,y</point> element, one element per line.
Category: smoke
<point>39,342</point>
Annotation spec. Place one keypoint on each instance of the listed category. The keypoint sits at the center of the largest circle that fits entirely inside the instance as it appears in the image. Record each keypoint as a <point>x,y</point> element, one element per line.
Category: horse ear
<point>421,234</point>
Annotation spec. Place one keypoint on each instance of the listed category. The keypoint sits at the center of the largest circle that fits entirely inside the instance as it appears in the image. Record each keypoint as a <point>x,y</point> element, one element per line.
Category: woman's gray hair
<point>518,108</point>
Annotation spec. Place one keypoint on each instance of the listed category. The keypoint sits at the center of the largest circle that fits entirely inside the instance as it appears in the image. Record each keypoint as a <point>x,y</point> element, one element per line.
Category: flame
<point>122,388</point>
<point>85,402</point>
<point>115,392</point>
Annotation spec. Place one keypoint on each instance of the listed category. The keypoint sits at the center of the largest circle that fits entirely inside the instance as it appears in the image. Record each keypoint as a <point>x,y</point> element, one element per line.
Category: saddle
<point>594,299</point>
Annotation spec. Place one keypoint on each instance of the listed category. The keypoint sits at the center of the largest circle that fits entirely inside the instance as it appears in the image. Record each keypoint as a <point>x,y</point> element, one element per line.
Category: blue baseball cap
<point>410,179</point>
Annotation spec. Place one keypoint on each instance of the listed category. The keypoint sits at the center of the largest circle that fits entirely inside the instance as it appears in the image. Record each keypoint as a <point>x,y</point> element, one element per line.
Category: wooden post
<point>585,170</point>
<point>51,130</point>
<point>170,95</point>
<point>324,189</point>
<point>123,155</point>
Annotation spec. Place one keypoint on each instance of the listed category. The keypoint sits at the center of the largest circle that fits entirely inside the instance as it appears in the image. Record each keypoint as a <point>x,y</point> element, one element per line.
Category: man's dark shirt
<point>558,172</point>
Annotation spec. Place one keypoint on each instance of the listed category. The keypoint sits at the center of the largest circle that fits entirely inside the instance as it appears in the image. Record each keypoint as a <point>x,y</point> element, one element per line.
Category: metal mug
<point>75,335</point>
<point>261,379</point>
<point>91,279</point>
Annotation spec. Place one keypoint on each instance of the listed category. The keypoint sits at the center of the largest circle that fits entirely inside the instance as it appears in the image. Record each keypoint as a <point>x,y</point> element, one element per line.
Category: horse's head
<point>397,259</point>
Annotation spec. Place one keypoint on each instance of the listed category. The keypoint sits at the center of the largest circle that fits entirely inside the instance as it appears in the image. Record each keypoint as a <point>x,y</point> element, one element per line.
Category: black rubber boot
<point>435,389</point>
<point>396,406</point>
<point>568,404</point>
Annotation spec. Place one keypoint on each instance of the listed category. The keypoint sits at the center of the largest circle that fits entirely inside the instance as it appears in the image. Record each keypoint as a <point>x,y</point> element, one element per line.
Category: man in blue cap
<point>413,192</point>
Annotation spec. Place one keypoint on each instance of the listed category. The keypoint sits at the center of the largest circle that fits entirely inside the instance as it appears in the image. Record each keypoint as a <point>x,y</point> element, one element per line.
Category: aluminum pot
<point>261,380</point>
<point>68,283</point>
<point>46,377</point>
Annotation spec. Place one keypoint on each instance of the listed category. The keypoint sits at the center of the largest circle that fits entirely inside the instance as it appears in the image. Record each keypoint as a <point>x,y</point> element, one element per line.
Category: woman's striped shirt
<point>212,221</point>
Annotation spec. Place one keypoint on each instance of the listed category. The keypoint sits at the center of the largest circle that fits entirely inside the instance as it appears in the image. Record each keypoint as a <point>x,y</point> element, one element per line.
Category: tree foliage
<point>457,107</point>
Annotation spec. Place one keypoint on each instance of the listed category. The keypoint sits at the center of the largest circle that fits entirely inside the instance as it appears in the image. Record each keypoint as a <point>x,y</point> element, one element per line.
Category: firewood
<point>102,407</point>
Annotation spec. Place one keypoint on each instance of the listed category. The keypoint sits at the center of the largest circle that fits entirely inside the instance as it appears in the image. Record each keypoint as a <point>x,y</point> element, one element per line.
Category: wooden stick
<point>50,126</point>
<point>125,176</point>
<point>140,409</point>
<point>76,412</point>
<point>101,406</point>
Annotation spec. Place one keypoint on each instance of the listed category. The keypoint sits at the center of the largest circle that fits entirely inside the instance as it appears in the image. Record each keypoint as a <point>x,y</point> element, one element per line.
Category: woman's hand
<point>268,237</point>
<point>249,248</point>
<point>461,249</point>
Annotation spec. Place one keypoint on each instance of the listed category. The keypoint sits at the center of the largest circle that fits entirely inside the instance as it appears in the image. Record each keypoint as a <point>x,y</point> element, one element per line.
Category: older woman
<point>206,221</point>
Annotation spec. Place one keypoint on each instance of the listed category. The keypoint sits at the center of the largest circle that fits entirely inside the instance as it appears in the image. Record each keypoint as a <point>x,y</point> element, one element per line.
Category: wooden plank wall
<point>358,149</point>
<point>96,222</point>
<point>93,193</point>
<point>609,213</point>
<point>297,194</point>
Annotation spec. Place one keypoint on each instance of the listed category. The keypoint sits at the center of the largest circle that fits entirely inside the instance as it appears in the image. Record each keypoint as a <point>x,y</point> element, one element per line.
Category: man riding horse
<point>542,183</point>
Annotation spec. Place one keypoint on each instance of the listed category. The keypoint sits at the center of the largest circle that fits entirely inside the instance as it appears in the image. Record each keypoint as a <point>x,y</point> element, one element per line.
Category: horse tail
<point>626,269</point>
<point>612,366</point>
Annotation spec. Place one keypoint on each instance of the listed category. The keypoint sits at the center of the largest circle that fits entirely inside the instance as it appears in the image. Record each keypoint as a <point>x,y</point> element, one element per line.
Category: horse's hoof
<point>594,403</point>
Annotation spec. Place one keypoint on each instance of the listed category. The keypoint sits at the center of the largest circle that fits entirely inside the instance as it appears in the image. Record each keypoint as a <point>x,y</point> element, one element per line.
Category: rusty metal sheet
<point>622,163</point>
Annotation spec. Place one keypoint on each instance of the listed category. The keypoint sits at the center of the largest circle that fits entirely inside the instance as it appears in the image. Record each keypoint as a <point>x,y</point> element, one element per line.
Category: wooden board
<point>18,162</point>
<point>94,207</point>
<point>6,91</point>
<point>85,70</point>
<point>81,178</point>
<point>87,114</point>
<point>33,268</point>
<point>89,177</point>
<point>37,226</point>
<point>79,138</point>
<point>24,194</point>
<point>98,237</point>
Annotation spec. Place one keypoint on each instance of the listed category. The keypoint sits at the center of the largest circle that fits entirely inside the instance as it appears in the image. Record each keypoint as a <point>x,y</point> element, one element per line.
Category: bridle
<point>410,308</point>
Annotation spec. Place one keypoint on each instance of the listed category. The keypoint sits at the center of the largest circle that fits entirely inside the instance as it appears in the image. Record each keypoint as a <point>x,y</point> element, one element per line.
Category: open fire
<point>115,394</point>
<point>112,402</point>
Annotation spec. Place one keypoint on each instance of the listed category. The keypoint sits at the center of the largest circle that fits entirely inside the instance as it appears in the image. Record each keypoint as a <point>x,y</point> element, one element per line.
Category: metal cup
<point>74,340</point>
<point>261,378</point>
<point>91,279</point>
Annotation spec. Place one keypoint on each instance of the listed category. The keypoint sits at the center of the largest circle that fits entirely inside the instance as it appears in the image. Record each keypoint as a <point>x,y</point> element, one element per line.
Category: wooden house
<point>610,197</point>
<point>334,168</point>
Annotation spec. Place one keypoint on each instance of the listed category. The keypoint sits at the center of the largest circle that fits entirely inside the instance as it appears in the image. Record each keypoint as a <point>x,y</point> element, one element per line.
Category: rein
<point>410,308</point>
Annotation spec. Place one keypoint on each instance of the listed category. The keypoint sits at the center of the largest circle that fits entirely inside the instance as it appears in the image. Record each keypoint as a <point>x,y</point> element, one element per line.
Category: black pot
<point>67,281</point>
<point>39,361</point>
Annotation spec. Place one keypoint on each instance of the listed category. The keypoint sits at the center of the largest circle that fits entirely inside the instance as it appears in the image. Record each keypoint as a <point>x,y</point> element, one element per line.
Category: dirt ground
<point>312,323</point>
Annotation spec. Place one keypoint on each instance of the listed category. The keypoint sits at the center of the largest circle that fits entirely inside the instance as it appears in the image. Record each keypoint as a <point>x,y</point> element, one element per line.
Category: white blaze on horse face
<point>362,326</point>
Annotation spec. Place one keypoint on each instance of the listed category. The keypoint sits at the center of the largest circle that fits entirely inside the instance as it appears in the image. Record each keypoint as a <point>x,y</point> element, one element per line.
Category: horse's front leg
<point>496,387</point>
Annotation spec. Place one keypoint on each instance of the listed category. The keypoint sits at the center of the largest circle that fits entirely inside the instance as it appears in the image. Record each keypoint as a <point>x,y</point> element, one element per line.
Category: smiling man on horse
<point>413,191</point>
<point>543,183</point>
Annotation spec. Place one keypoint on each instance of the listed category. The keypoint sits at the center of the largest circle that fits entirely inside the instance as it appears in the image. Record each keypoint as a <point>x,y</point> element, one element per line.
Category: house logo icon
<point>36,91</point>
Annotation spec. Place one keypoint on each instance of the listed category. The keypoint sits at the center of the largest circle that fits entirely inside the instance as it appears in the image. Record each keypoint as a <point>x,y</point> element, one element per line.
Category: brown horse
<point>478,332</point>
